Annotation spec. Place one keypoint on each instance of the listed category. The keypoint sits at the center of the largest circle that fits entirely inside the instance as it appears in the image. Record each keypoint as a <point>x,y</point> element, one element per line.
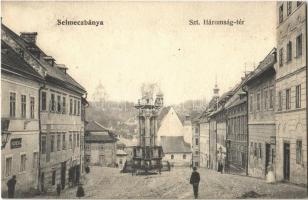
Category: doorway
<point>267,157</point>
<point>63,173</point>
<point>286,161</point>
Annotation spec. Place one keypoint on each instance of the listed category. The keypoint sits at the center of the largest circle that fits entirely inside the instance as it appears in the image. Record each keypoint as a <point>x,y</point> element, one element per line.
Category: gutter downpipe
<point>306,13</point>
<point>40,131</point>
<point>247,118</point>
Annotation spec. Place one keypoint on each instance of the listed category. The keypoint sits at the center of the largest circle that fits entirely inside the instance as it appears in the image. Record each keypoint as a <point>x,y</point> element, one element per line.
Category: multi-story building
<point>100,145</point>
<point>236,140</point>
<point>291,110</point>
<point>260,87</point>
<point>204,131</point>
<point>195,142</point>
<point>60,121</point>
<point>20,85</point>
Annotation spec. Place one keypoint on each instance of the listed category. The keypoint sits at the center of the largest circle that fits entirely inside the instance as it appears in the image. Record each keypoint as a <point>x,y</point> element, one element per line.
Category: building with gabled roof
<point>20,85</point>
<point>176,151</point>
<point>100,145</point>
<point>61,101</point>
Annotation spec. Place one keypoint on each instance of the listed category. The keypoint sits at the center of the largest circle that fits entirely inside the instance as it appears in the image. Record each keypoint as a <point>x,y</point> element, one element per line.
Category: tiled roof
<point>96,132</point>
<point>95,126</point>
<point>174,144</point>
<point>52,71</point>
<point>12,61</point>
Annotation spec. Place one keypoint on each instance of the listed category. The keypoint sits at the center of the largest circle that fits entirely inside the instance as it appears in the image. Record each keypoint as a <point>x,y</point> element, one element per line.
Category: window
<point>53,103</point>
<point>279,101</point>
<point>43,143</point>
<point>35,159</point>
<point>251,103</point>
<point>196,152</point>
<point>12,104</point>
<point>271,103</point>
<point>23,106</point>
<point>53,179</point>
<point>75,105</point>
<point>23,160</point>
<point>44,99</point>
<point>255,150</point>
<point>32,107</point>
<point>74,140</point>
<point>59,104</point>
<point>71,106</point>
<point>8,166</point>
<point>196,130</point>
<point>52,143</point>
<point>172,156</point>
<point>78,139</point>
<point>280,60</point>
<point>78,108</point>
<point>299,47</point>
<point>289,7</point>
<point>197,141</point>
<point>63,105</point>
<point>70,141</point>
<point>63,142</point>
<point>260,150</point>
<point>58,142</point>
<point>281,13</point>
<point>196,164</point>
<point>298,96</point>
<point>184,156</point>
<point>298,151</point>
<point>258,101</point>
<point>288,99</point>
<point>289,51</point>
<point>265,99</point>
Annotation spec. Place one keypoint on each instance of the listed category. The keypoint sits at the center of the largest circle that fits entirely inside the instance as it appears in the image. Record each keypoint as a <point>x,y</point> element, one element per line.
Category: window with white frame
<point>23,106</point>
<point>289,51</point>
<point>299,45</point>
<point>23,160</point>
<point>12,104</point>
<point>32,106</point>
<point>8,166</point>
<point>44,101</point>
<point>298,96</point>
<point>299,151</point>
<point>63,105</point>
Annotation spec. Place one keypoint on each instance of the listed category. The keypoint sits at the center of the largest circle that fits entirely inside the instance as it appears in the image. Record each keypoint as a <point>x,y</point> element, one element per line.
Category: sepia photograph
<point>154,99</point>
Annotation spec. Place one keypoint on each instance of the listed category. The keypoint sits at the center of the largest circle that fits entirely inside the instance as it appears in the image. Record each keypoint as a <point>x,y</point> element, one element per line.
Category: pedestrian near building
<point>58,189</point>
<point>80,191</point>
<point>194,180</point>
<point>11,186</point>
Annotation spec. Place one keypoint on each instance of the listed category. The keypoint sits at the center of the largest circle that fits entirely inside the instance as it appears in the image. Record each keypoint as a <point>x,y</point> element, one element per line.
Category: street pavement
<point>109,183</point>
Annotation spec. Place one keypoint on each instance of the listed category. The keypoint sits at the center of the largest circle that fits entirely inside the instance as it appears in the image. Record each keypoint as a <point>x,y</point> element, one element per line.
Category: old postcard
<point>154,100</point>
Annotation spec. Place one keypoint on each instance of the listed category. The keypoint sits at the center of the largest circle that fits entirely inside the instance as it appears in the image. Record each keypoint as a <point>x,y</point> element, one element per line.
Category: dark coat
<point>11,187</point>
<point>195,178</point>
<point>80,192</point>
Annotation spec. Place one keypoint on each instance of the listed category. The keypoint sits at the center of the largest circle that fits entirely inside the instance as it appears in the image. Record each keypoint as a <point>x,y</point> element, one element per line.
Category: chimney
<point>50,60</point>
<point>29,37</point>
<point>62,67</point>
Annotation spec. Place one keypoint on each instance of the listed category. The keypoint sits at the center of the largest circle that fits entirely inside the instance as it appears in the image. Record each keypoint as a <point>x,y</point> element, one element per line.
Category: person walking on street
<point>11,186</point>
<point>80,191</point>
<point>194,180</point>
<point>58,189</point>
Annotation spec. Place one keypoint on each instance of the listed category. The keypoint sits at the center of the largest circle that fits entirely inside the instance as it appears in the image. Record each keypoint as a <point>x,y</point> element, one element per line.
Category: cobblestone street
<point>108,183</point>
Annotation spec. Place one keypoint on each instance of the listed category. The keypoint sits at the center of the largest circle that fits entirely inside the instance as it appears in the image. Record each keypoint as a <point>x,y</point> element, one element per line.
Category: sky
<point>150,42</point>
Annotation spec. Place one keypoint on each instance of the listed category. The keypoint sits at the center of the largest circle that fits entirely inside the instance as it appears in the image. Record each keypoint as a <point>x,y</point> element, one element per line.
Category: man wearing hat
<point>194,180</point>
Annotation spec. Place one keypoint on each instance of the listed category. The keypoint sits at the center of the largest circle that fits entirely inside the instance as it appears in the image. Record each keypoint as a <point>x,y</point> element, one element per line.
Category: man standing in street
<point>194,180</point>
<point>11,186</point>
